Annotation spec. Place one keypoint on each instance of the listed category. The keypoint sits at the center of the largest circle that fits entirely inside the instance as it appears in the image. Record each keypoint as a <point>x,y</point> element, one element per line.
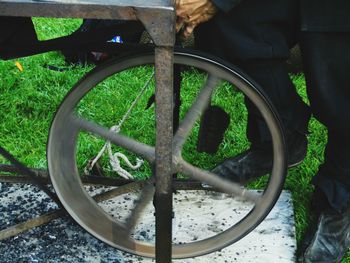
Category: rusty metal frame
<point>158,17</point>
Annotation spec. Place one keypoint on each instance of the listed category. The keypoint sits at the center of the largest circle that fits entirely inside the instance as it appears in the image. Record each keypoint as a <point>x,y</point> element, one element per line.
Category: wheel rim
<point>66,181</point>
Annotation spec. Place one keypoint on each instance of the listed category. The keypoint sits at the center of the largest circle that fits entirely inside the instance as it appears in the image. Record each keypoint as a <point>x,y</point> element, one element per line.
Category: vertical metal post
<point>163,168</point>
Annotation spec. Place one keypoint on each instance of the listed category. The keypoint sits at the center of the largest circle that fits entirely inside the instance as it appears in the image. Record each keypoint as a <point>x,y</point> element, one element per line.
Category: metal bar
<point>35,222</point>
<point>159,24</point>
<point>10,168</point>
<point>107,9</point>
<point>201,103</point>
<point>144,150</point>
<point>156,15</point>
<point>163,165</point>
<point>178,184</point>
<point>213,180</point>
<point>21,179</point>
<point>69,10</point>
<point>145,198</point>
<point>25,170</point>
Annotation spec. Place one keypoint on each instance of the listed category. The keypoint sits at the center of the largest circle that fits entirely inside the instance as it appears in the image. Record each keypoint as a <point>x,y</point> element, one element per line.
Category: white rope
<point>114,159</point>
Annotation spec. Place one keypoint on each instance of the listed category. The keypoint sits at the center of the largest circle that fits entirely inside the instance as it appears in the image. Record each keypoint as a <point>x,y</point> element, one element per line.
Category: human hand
<point>191,13</point>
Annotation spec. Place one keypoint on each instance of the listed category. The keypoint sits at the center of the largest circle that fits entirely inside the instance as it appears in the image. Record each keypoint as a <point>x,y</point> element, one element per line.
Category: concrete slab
<point>198,214</point>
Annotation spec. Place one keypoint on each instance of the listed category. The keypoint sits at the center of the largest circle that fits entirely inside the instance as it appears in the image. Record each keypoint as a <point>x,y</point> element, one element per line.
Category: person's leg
<point>257,36</point>
<point>326,63</point>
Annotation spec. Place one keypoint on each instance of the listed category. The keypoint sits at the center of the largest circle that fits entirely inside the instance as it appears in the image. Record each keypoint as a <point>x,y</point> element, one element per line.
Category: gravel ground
<point>62,240</point>
<point>198,215</point>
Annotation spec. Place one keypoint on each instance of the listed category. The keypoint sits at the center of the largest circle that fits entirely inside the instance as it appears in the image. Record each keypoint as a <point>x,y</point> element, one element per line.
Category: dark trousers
<point>327,62</point>
<point>256,36</point>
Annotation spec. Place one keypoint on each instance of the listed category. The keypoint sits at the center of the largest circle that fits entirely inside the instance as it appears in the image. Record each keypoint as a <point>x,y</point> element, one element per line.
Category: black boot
<point>327,239</point>
<point>257,161</point>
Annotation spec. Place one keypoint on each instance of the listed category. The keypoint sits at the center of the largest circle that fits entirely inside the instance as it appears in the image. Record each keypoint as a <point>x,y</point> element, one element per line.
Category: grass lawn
<point>29,98</point>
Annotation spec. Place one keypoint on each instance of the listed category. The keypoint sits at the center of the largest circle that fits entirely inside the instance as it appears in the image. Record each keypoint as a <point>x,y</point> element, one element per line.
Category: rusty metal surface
<point>102,9</point>
<point>163,167</point>
<point>158,16</point>
<point>160,25</point>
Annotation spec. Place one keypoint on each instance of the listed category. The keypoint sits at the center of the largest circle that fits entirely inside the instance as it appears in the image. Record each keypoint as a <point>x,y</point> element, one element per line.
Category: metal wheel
<point>74,120</point>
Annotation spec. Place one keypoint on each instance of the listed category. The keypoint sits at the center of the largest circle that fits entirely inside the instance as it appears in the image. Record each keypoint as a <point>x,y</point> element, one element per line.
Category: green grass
<point>29,99</point>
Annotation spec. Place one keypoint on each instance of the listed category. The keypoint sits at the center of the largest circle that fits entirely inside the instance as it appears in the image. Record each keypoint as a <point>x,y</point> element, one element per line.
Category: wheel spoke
<point>221,184</point>
<point>145,198</point>
<point>145,151</point>
<point>202,101</point>
<point>124,189</point>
